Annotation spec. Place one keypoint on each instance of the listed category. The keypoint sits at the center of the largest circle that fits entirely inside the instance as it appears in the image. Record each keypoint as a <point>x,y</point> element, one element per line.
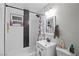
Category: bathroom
<point>26,25</point>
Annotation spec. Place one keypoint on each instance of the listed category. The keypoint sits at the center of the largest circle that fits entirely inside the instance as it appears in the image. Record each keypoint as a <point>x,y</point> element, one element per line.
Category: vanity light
<point>50,13</point>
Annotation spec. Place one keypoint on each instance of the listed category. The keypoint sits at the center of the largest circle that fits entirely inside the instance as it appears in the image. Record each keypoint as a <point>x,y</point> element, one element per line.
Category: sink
<point>46,44</point>
<point>45,48</point>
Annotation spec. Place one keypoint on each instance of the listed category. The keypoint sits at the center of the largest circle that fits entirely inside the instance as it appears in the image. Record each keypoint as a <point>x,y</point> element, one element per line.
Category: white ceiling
<point>34,7</point>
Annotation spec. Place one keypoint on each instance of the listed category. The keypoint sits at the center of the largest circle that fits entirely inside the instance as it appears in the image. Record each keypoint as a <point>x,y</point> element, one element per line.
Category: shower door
<point>13,31</point>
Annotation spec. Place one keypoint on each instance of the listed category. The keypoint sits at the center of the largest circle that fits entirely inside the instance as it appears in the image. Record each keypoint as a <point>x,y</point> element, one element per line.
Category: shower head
<point>38,15</point>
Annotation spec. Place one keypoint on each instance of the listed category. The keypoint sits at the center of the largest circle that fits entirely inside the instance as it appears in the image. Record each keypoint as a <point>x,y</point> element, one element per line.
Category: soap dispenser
<point>72,48</point>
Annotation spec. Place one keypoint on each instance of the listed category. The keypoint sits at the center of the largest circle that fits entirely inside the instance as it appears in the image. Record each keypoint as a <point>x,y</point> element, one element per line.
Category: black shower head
<point>37,15</point>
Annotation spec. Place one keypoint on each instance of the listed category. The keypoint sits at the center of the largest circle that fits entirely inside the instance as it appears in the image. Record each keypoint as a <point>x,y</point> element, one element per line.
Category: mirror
<point>50,24</point>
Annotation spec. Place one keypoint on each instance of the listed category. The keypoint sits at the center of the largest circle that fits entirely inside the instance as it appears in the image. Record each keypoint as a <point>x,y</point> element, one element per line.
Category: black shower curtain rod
<point>22,9</point>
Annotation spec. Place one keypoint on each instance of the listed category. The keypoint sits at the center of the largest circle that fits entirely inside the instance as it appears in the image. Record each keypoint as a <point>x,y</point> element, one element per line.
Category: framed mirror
<point>50,24</point>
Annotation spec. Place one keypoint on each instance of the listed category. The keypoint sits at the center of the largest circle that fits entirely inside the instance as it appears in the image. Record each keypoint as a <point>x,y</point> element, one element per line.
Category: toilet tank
<point>63,52</point>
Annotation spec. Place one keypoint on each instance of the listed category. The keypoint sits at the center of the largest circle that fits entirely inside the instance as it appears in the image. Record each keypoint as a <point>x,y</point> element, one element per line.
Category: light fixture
<point>50,13</point>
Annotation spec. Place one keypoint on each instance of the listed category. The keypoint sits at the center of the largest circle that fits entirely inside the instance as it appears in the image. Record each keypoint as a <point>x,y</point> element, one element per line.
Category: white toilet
<point>63,52</point>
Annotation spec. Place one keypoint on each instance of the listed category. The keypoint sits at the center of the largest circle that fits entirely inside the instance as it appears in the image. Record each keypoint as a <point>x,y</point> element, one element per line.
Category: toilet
<point>63,52</point>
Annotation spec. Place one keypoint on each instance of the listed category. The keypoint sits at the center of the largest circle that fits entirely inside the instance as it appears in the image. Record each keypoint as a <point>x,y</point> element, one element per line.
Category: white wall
<point>13,34</point>
<point>67,17</point>
<point>1,29</point>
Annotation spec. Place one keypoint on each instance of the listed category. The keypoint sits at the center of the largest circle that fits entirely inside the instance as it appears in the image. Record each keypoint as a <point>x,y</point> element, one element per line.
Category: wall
<point>67,17</point>
<point>1,29</point>
<point>13,34</point>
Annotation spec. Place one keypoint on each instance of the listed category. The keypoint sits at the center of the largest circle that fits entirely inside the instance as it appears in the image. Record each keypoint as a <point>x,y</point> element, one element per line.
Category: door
<point>13,30</point>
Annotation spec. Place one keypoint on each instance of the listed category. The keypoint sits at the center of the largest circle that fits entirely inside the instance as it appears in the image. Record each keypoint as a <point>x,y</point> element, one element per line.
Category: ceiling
<point>34,7</point>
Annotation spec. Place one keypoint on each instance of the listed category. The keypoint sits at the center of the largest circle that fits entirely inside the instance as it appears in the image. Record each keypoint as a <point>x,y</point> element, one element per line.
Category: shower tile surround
<point>43,28</point>
<point>41,35</point>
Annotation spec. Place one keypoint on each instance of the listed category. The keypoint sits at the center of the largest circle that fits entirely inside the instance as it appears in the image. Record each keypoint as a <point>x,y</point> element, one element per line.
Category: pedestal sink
<point>45,48</point>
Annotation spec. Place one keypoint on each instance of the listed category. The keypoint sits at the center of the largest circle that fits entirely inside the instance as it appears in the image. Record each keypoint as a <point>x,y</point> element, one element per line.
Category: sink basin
<point>46,44</point>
